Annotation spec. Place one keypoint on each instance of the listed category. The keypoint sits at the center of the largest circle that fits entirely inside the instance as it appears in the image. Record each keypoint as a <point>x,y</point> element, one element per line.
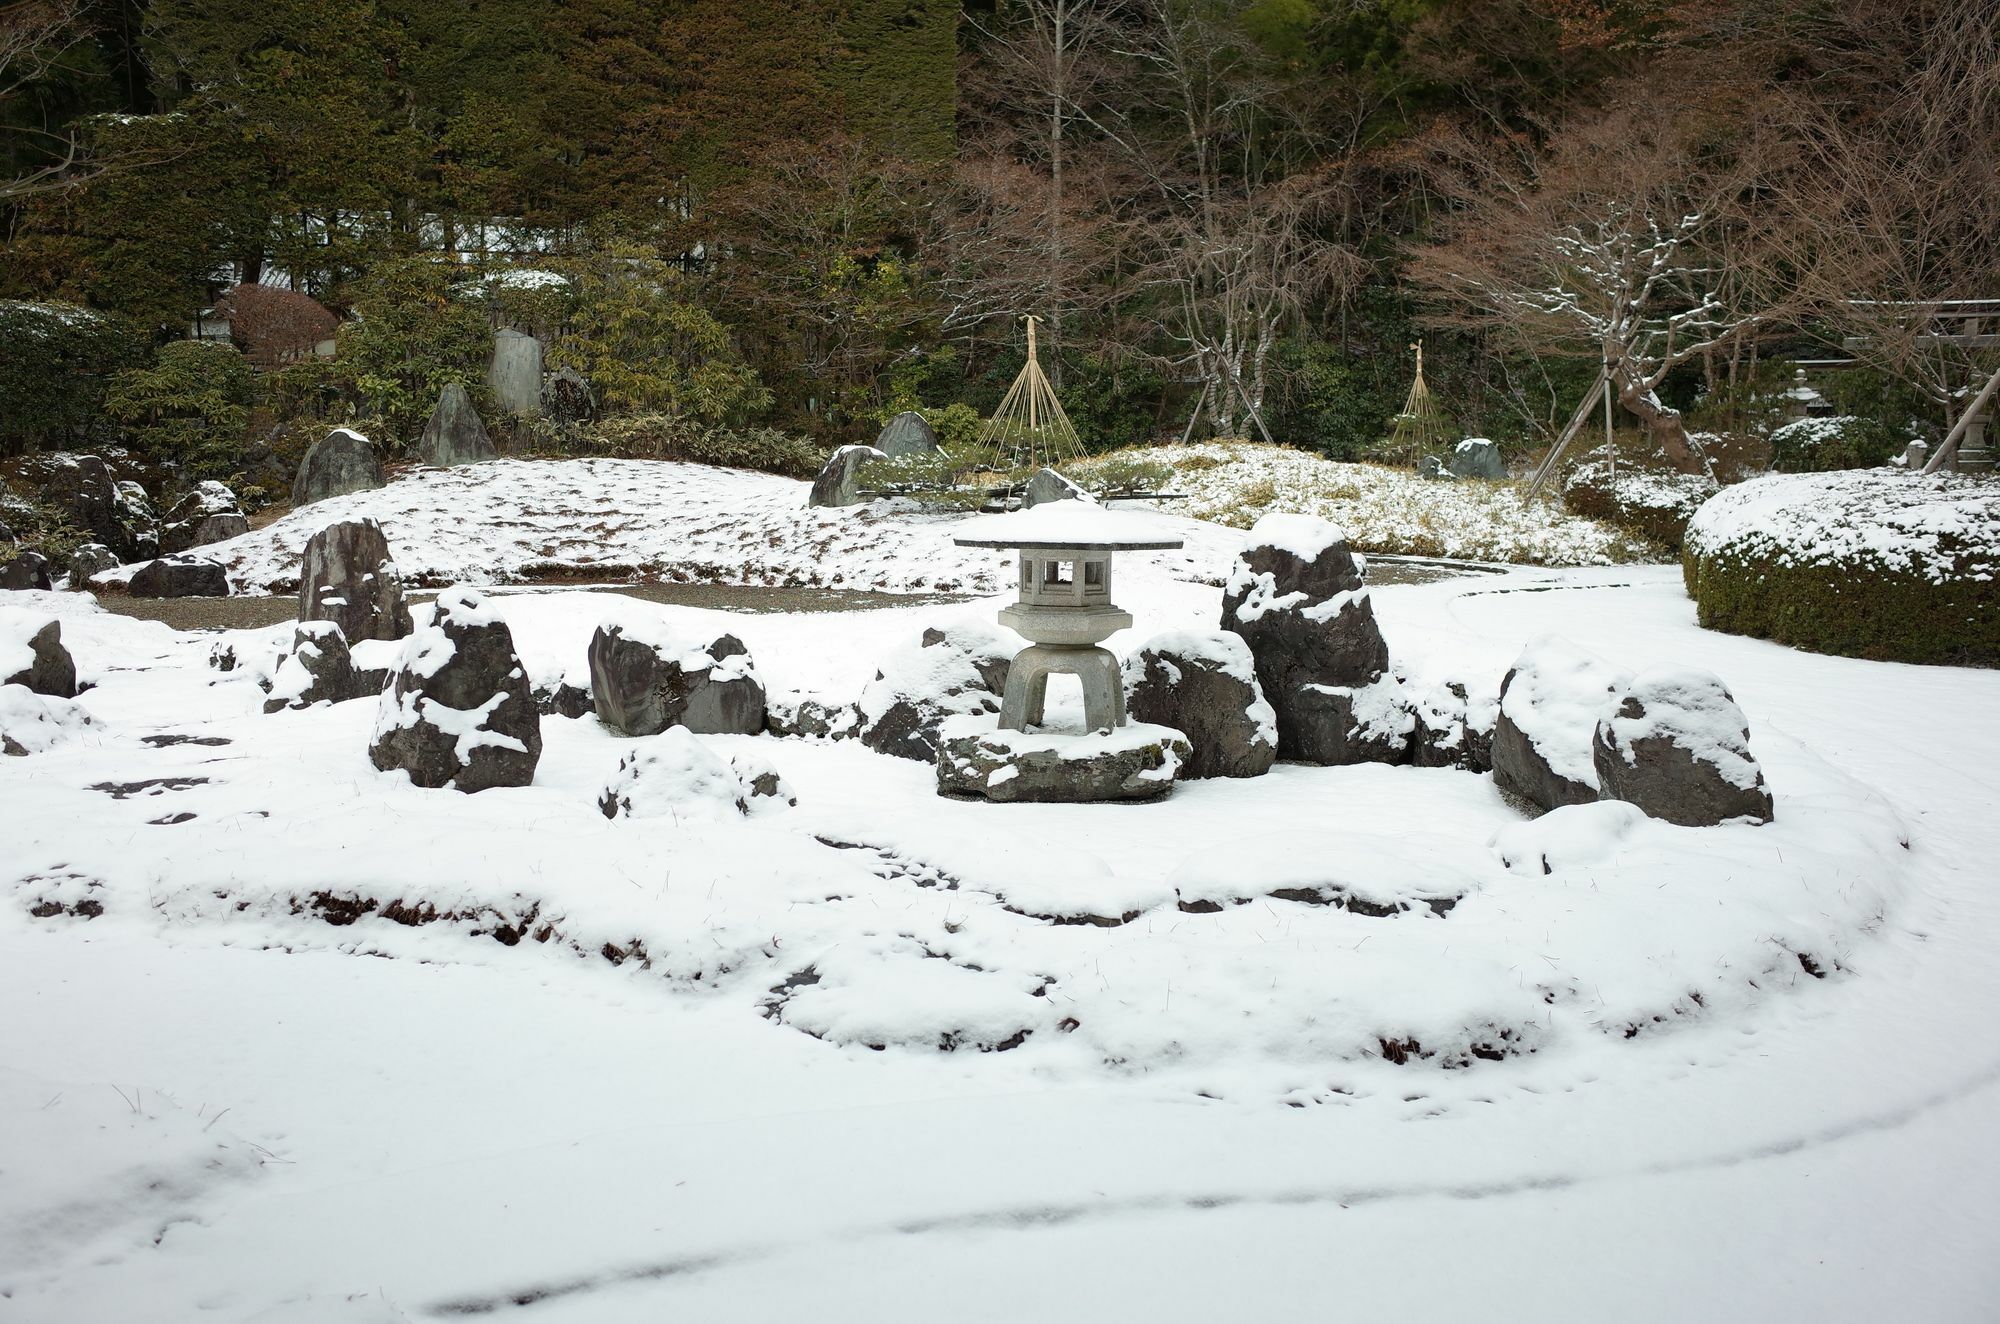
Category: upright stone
<point>514,375</point>
<point>455,435</point>
<point>459,711</point>
<point>37,659</point>
<point>348,578</point>
<point>1550,704</point>
<point>342,461</point>
<point>1205,685</point>
<point>1048,485</point>
<point>646,677</point>
<point>838,483</point>
<point>908,433</point>
<point>1476,457</point>
<point>1296,596</point>
<point>93,558</point>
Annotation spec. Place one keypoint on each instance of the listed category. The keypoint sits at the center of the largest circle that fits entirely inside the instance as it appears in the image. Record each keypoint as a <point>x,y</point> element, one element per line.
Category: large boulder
<point>93,558</point>
<point>88,493</point>
<point>1046,484</point>
<point>1679,748</point>
<point>455,435</point>
<point>908,433</point>
<point>208,514</point>
<point>347,577</point>
<point>25,571</point>
<point>1296,596</point>
<point>319,669</point>
<point>953,671</point>
<point>182,576</point>
<point>646,676</point>
<point>32,654</point>
<point>677,776</point>
<point>459,712</point>
<point>1137,761</point>
<point>342,461</point>
<point>1344,724</point>
<point>1550,704</point>
<point>1205,685</point>
<point>838,483</point>
<point>1476,457</point>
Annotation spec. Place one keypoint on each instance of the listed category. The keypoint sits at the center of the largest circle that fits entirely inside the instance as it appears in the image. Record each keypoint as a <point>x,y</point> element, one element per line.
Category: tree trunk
<point>1663,427</point>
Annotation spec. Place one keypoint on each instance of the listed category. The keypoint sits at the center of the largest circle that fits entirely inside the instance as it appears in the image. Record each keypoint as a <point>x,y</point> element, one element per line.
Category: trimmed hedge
<point>1864,563</point>
<point>1652,503</point>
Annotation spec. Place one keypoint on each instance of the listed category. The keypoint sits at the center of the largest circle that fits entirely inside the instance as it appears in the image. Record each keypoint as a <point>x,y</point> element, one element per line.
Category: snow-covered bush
<point>1868,563</point>
<point>1818,445</point>
<point>1654,503</point>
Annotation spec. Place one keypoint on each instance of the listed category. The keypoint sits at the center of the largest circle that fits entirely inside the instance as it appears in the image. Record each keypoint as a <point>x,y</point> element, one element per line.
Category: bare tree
<point>1900,196</point>
<point>34,37</point>
<point>1632,236</point>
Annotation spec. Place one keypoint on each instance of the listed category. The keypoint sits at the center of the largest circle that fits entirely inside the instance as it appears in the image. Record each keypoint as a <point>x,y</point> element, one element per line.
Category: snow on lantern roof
<point>1083,525</point>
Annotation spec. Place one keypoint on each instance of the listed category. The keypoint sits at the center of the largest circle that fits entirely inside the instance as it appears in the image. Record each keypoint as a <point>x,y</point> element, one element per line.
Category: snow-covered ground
<point>288,1039</point>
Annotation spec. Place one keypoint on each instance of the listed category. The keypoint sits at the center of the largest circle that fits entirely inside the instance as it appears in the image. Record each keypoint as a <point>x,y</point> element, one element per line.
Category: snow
<point>1072,523</point>
<point>17,629</point>
<point>1558,695</point>
<point>675,776</point>
<point>1937,526</point>
<point>691,652</point>
<point>1646,1072</point>
<point>32,723</point>
<point>1304,536</point>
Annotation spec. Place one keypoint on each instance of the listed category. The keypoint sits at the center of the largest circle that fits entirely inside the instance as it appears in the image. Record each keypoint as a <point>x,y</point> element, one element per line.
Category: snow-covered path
<point>478,1128</point>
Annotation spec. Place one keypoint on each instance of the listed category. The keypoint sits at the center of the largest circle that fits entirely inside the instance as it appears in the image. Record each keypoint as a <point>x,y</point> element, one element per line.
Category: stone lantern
<point>1065,609</point>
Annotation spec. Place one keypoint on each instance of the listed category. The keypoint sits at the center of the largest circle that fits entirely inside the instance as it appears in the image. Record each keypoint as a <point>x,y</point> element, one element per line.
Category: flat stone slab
<point>1137,761</point>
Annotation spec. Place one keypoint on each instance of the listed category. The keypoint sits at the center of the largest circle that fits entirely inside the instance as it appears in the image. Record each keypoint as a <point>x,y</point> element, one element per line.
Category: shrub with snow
<point>676,776</point>
<point>1819,445</point>
<point>1871,563</point>
<point>1654,503</point>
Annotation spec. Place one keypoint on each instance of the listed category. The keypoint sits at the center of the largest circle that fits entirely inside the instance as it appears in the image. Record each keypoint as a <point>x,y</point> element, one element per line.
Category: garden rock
<point>1679,748</point>
<point>319,669</point>
<point>1476,457</point>
<point>1137,761</point>
<point>32,723</point>
<point>454,434</point>
<point>1345,724</point>
<point>811,718</point>
<point>459,712</point>
<point>32,654</point>
<point>183,576</point>
<point>1432,468</point>
<point>838,483</point>
<point>117,514</point>
<point>953,671</point>
<point>1454,728</point>
<point>564,699</point>
<point>1296,596</point>
<point>908,433</point>
<point>93,558</point>
<point>342,461</point>
<point>679,777</point>
<point>1550,704</point>
<point>645,677</point>
<point>347,577</point>
<point>1048,485</point>
<point>206,515</point>
<point>25,571</point>
<point>1205,685</point>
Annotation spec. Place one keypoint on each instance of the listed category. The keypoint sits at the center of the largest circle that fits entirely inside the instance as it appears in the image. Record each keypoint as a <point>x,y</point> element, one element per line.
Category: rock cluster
<point>348,578</point>
<point>1205,685</point>
<point>1296,596</point>
<point>90,496</point>
<point>208,514</point>
<point>459,712</point>
<point>645,677</point>
<point>342,461</point>
<point>181,576</point>
<point>1550,704</point>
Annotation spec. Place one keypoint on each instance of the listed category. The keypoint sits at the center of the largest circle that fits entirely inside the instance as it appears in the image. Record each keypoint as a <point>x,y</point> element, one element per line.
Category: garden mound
<point>1866,563</point>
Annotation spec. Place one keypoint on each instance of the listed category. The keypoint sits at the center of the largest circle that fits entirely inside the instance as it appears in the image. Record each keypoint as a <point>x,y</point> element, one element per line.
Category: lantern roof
<point>1076,524</point>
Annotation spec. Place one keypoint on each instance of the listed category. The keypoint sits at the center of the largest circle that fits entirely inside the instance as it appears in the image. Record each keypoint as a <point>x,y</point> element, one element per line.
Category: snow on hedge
<point>1937,527</point>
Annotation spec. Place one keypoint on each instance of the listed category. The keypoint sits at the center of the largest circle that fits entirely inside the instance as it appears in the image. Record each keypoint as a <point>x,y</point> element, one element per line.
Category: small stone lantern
<point>1065,608</point>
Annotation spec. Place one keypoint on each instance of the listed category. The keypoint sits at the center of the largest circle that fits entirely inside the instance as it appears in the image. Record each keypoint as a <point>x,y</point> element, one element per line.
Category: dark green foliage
<point>1112,406</point>
<point>1855,610</point>
<point>895,70</point>
<point>660,436</point>
<point>1820,445</point>
<point>56,362</point>
<point>190,407</point>
<point>412,335</point>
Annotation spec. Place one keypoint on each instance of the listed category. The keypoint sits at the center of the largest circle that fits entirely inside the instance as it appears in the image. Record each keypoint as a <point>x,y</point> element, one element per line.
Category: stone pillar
<point>515,374</point>
<point>1974,456</point>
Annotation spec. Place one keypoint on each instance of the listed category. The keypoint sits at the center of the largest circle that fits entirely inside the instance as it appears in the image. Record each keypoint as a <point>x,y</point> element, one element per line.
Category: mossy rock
<point>1866,563</point>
